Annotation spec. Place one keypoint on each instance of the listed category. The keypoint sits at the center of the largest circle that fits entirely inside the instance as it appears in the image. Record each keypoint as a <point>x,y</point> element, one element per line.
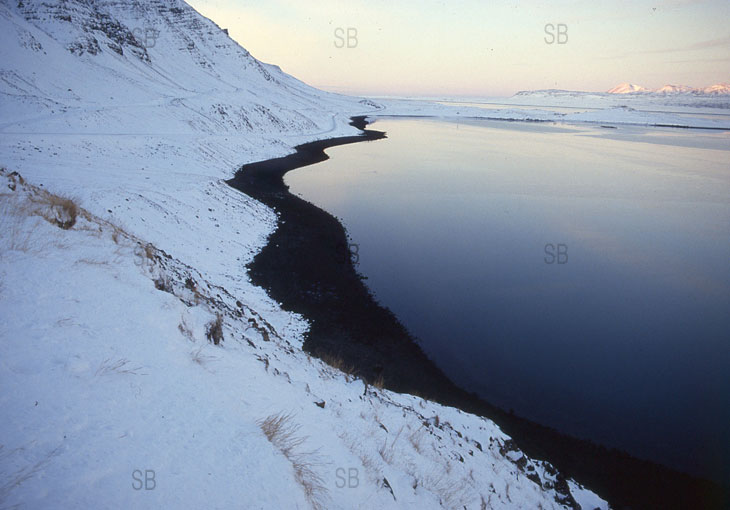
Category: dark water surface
<point>577,275</point>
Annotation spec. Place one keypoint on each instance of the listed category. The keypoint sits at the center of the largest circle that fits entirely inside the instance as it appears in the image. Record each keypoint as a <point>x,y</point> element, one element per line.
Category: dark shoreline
<point>304,266</point>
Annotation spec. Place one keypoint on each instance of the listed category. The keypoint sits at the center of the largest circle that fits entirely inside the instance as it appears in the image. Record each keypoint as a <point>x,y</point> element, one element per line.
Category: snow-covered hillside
<point>180,73</point>
<point>139,366</point>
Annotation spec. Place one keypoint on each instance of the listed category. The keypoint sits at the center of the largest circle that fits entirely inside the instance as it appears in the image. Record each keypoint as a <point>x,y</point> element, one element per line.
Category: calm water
<point>577,275</point>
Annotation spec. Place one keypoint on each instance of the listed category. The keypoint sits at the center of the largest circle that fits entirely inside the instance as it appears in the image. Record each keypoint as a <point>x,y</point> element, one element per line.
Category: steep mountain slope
<point>140,368</point>
<point>144,61</point>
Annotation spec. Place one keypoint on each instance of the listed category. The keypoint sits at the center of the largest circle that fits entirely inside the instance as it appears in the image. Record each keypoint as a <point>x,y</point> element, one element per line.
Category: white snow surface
<point>112,394</point>
<point>686,109</point>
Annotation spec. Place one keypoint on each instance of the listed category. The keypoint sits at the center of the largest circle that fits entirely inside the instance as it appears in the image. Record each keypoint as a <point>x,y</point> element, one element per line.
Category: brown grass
<point>56,209</point>
<point>14,231</point>
<point>338,363</point>
<point>282,432</point>
<point>26,472</point>
<point>214,329</point>
<point>150,251</point>
<point>201,359</point>
<point>379,382</point>
<point>118,233</point>
<point>388,452</point>
<point>451,493</point>
<point>186,330</point>
<point>415,439</point>
<point>26,201</point>
<point>120,366</point>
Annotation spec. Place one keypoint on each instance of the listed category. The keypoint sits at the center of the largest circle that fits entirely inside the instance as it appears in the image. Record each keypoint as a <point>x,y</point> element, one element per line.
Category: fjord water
<point>577,275</point>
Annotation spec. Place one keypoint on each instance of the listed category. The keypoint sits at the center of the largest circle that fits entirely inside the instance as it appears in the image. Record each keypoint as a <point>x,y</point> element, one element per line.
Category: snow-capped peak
<point>630,88</point>
<point>627,88</point>
<point>719,88</point>
<point>673,89</point>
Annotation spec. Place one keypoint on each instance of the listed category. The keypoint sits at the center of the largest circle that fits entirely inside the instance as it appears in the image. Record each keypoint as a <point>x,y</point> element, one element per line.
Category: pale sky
<point>483,47</point>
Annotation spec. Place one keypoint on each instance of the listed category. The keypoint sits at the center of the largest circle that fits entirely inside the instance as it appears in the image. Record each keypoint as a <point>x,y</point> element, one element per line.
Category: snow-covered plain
<point>657,107</point>
<point>684,110</point>
<point>112,394</point>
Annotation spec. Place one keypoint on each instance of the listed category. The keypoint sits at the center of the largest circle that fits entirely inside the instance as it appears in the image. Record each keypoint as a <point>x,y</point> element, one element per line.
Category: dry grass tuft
<point>26,472</point>
<point>282,432</point>
<point>338,363</point>
<point>15,232</point>
<point>214,329</point>
<point>186,330</point>
<point>415,438</point>
<point>201,359</point>
<point>147,253</point>
<point>388,452</point>
<point>120,366</point>
<point>119,233</point>
<point>24,202</point>
<point>379,382</point>
<point>56,209</point>
<point>451,493</point>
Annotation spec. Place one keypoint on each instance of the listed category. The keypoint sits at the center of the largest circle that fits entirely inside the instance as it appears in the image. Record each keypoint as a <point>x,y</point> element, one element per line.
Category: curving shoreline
<point>303,267</point>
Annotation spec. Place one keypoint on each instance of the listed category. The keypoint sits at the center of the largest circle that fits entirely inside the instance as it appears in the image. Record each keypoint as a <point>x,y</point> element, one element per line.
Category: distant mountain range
<point>631,88</point>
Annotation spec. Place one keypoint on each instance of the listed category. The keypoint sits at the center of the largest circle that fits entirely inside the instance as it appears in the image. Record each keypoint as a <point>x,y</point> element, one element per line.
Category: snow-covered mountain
<point>626,88</point>
<point>630,88</point>
<point>632,104</point>
<point>719,88</point>
<point>673,89</point>
<point>714,96</point>
<point>157,57</point>
<point>140,367</point>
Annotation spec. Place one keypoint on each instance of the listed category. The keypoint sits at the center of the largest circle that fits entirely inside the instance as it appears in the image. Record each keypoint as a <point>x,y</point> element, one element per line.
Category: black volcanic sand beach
<point>306,267</point>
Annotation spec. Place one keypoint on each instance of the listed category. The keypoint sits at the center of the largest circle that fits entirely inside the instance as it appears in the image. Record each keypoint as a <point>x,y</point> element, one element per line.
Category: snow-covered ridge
<point>697,109</point>
<point>630,88</point>
<point>115,393</point>
<point>144,62</point>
